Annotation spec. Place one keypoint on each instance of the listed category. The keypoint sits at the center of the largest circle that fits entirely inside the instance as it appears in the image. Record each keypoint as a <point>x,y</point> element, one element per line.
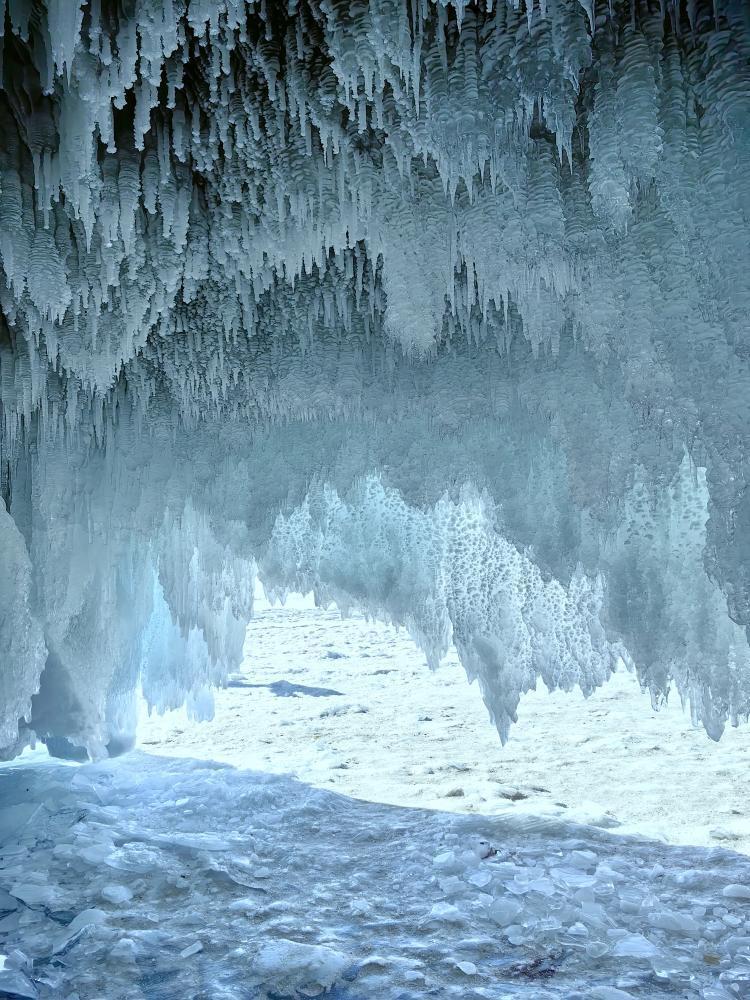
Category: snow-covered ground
<point>163,876</point>
<point>350,705</point>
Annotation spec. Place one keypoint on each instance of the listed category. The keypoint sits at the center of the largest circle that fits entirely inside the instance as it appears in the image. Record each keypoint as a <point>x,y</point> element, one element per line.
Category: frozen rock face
<point>440,309</point>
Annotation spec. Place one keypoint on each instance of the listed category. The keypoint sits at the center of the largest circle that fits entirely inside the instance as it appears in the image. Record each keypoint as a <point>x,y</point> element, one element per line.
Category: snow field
<point>350,705</point>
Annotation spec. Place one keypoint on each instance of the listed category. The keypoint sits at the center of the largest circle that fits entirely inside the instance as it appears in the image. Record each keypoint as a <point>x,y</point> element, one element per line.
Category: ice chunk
<point>288,967</point>
<point>33,894</point>
<point>90,917</point>
<point>578,930</point>
<point>7,902</point>
<point>446,912</point>
<point>505,911</point>
<point>737,942</point>
<point>670,920</point>
<point>117,894</point>
<point>635,946</point>
<point>480,879</point>
<point>124,950</point>
<point>14,983</point>
<point>736,891</point>
<point>87,917</point>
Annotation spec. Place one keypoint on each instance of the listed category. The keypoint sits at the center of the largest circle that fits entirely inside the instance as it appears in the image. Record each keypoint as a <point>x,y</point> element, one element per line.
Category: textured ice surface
<point>460,291</point>
<point>245,886</point>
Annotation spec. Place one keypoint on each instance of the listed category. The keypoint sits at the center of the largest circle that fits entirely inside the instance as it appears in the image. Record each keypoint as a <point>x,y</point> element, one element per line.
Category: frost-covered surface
<point>350,706</point>
<point>20,634</point>
<point>151,878</point>
<point>463,286</point>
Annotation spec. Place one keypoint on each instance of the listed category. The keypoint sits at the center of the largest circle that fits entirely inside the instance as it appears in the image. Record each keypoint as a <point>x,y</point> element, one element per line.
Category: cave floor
<point>165,878</point>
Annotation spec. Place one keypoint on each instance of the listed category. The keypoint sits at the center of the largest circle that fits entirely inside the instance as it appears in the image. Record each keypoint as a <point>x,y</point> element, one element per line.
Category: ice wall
<point>441,309</point>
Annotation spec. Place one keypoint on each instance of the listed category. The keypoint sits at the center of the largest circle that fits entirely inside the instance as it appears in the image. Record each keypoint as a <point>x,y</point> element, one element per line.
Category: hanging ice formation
<point>441,309</point>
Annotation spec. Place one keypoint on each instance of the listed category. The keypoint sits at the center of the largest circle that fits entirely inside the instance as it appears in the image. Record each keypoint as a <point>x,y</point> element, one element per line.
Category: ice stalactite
<point>20,632</point>
<point>258,257</point>
<point>450,577</point>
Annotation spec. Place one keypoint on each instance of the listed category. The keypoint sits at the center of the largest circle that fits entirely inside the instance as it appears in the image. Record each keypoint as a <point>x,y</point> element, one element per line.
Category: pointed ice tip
<point>588,6</point>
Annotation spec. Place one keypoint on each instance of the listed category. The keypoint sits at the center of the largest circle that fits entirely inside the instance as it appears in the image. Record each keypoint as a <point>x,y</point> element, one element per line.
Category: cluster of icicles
<point>251,251</point>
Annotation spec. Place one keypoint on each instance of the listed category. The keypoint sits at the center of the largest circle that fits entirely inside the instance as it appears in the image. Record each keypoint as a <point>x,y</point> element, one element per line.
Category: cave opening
<point>348,704</point>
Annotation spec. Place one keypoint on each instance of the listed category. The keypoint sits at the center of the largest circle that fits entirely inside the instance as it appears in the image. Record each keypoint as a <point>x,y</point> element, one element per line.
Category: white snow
<point>425,738</point>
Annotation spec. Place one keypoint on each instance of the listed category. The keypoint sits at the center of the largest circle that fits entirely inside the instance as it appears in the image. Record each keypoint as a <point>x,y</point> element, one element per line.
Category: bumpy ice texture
<point>438,308</point>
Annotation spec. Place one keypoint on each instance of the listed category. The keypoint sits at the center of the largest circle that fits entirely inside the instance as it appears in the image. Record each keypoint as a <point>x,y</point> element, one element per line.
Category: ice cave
<point>434,311</point>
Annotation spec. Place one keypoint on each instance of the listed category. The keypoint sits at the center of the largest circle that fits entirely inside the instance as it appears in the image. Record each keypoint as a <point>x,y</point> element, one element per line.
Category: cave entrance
<point>349,705</point>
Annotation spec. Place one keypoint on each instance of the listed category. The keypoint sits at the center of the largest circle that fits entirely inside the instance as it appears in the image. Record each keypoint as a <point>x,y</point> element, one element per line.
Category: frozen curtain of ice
<point>440,309</point>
